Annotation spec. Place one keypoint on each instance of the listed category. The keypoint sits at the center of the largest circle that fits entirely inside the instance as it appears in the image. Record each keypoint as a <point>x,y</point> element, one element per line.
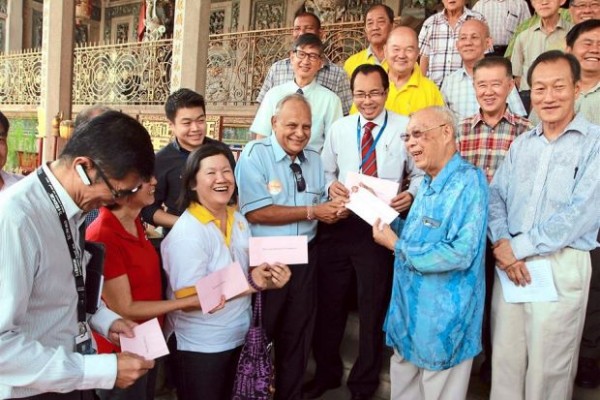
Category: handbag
<point>255,374</point>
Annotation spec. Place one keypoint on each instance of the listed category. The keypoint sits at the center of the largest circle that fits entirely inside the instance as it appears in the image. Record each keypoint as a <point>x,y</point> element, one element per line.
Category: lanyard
<point>76,261</point>
<point>373,145</point>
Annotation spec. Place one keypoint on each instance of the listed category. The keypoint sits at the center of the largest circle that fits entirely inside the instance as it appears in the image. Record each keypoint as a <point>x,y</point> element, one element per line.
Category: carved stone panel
<point>268,14</point>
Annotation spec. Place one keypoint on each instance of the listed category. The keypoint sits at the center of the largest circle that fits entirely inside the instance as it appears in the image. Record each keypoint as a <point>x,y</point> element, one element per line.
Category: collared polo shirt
<point>365,56</point>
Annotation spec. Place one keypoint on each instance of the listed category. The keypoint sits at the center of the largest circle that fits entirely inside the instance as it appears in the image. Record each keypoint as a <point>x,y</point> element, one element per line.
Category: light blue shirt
<point>264,178</point>
<point>436,309</point>
<point>459,95</point>
<point>325,108</point>
<point>546,195</point>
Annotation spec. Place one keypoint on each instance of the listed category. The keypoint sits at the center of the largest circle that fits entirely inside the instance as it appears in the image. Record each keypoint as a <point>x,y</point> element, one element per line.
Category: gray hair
<point>289,97</point>
<point>446,115</point>
<point>91,112</point>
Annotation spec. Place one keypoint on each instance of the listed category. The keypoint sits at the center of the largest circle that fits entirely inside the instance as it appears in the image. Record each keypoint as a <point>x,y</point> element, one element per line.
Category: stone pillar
<point>57,66</point>
<point>190,44</point>
<point>14,26</point>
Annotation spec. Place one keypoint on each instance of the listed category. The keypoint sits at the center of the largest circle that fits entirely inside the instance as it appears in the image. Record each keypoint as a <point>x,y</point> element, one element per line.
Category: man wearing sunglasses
<point>45,344</point>
<point>306,58</point>
<point>281,187</point>
<point>346,149</point>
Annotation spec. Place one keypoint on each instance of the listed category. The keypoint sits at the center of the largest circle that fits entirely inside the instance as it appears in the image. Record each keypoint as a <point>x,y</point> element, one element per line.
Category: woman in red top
<point>132,282</point>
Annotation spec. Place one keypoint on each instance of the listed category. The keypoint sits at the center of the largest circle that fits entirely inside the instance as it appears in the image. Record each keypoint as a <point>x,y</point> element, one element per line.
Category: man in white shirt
<point>45,344</point>
<point>369,143</point>
<point>6,178</point>
<point>503,17</point>
<point>306,57</point>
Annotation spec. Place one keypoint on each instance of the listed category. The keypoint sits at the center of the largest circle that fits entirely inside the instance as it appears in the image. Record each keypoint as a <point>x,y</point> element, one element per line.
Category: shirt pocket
<point>512,21</point>
<point>312,195</point>
<point>431,230</point>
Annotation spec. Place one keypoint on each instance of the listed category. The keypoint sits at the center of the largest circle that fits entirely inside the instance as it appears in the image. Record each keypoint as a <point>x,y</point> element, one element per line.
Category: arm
<point>261,126</point>
<point>457,249</point>
<point>281,215</point>
<point>424,47</point>
<point>517,60</point>
<point>424,64</point>
<point>154,214</point>
<point>498,211</point>
<point>163,218</point>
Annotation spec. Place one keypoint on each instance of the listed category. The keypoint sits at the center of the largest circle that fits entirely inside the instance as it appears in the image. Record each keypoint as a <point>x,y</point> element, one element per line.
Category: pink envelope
<point>148,342</point>
<point>229,282</point>
<point>283,249</point>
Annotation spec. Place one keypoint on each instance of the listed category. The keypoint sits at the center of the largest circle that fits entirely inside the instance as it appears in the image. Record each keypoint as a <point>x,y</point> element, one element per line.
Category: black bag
<point>255,375</point>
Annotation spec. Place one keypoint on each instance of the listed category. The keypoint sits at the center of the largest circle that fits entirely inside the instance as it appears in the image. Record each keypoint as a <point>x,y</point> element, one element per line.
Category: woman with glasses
<point>132,282</point>
<point>210,235</point>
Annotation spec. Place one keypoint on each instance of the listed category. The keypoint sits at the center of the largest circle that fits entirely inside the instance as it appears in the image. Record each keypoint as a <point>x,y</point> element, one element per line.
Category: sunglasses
<point>300,182</point>
<point>117,194</point>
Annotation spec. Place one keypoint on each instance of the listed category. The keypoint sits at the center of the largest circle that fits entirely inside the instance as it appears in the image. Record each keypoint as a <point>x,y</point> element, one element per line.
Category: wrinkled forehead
<point>422,120</point>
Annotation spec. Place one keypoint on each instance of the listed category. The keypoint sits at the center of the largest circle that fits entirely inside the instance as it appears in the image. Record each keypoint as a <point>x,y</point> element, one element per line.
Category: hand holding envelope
<point>278,249</point>
<point>214,289</point>
<point>148,341</point>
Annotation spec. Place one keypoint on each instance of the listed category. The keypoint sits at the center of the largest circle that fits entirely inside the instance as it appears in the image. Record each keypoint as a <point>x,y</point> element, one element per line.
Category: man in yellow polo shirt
<point>409,90</point>
<point>379,22</point>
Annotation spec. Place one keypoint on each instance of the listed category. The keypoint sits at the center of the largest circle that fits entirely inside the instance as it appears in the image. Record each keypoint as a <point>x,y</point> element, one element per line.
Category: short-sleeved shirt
<point>418,93</point>
<point>459,95</point>
<point>588,104</point>
<point>9,179</point>
<point>193,249</point>
<point>365,56</point>
<point>264,178</point>
<point>325,107</point>
<point>437,41</point>
<point>503,17</point>
<point>126,255</point>
<point>532,42</point>
<point>331,76</point>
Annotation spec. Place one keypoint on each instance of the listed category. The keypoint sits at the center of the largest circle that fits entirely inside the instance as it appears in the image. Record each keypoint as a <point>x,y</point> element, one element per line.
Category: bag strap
<point>257,310</point>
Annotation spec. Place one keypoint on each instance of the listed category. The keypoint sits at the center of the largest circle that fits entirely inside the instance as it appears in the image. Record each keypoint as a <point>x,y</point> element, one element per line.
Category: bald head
<point>401,52</point>
<point>473,40</point>
<point>403,32</point>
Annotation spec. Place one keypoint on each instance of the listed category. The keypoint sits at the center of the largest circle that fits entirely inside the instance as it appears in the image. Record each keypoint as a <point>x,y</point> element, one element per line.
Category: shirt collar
<point>308,88</point>
<point>203,215</point>
<point>280,154</point>
<point>117,228</point>
<point>179,148</point>
<point>561,23</point>
<point>414,80</point>
<point>371,54</point>
<point>378,120</point>
<point>437,184</point>
<point>72,210</point>
<point>464,14</point>
<point>578,124</point>
<point>507,116</point>
<point>594,89</point>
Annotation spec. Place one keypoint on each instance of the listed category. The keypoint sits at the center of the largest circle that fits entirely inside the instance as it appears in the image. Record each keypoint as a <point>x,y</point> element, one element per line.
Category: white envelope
<point>370,207</point>
<point>384,189</point>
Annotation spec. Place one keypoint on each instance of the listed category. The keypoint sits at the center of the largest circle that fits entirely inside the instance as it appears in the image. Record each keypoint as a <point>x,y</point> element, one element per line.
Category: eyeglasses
<point>371,95</point>
<point>300,182</point>
<point>115,193</point>
<point>593,5</point>
<point>312,57</point>
<point>418,134</point>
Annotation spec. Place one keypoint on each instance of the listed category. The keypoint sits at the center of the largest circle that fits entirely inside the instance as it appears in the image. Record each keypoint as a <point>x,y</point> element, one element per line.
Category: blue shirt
<point>546,195</point>
<point>264,178</point>
<point>436,309</point>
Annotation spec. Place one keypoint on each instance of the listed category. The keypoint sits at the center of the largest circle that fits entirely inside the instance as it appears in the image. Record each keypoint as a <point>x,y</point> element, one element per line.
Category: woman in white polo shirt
<point>208,236</point>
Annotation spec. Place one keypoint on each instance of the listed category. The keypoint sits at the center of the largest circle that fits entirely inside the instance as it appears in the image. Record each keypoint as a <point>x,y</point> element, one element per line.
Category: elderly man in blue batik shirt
<point>435,313</point>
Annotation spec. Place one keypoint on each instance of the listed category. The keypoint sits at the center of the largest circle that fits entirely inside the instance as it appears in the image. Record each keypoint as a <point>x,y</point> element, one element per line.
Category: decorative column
<point>190,45</point>
<point>57,67</point>
<point>14,26</point>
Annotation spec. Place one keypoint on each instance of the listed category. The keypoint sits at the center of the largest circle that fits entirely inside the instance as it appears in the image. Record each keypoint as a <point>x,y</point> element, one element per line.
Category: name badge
<point>431,223</point>
<point>83,341</point>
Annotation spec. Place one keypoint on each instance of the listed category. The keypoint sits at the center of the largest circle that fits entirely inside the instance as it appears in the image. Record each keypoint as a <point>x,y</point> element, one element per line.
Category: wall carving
<point>217,21</point>
<point>36,28</point>
<point>268,14</point>
<point>126,10</point>
<point>332,11</point>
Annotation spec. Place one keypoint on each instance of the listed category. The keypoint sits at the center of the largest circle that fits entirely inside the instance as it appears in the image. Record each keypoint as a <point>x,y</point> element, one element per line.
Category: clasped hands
<point>516,270</point>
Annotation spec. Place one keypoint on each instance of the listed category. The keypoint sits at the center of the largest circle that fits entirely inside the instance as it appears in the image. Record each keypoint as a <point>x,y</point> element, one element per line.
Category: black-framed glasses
<point>115,193</point>
<point>419,134</point>
<point>312,57</point>
<point>375,94</point>
<point>300,182</point>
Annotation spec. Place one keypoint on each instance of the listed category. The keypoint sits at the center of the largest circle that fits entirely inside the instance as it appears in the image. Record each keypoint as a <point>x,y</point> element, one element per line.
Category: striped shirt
<point>503,16</point>
<point>331,76</point>
<point>459,96</point>
<point>485,146</point>
<point>437,42</point>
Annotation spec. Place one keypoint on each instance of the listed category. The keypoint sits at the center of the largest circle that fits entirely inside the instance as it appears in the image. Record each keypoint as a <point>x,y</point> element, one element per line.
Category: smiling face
<point>587,51</point>
<point>215,183</point>
<point>402,50</point>
<point>292,126</point>
<point>429,149</point>
<point>305,24</point>
<point>371,86</point>
<point>453,5</point>
<point>473,40</point>
<point>189,127</point>
<point>582,10</point>
<point>553,92</point>
<point>492,87</point>
<point>143,197</point>
<point>304,68</point>
<point>547,8</point>
<point>377,26</point>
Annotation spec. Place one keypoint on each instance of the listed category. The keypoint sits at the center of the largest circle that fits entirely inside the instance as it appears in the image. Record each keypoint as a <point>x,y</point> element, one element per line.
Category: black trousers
<point>348,253</point>
<point>206,376</point>
<point>77,395</point>
<point>590,342</point>
<point>486,332</point>
<point>288,317</point>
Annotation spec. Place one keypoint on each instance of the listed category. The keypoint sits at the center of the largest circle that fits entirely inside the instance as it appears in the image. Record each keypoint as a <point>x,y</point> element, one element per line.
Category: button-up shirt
<point>38,322</point>
<point>437,41</point>
<point>436,309</point>
<point>342,151</point>
<point>545,195</point>
<point>534,41</point>
<point>325,108</point>
<point>485,146</point>
<point>588,104</point>
<point>331,76</point>
<point>264,178</point>
<point>459,95</point>
<point>365,56</point>
<point>503,16</point>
